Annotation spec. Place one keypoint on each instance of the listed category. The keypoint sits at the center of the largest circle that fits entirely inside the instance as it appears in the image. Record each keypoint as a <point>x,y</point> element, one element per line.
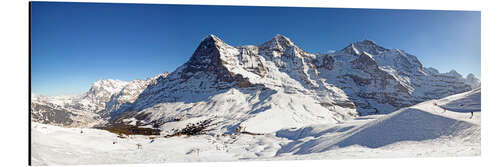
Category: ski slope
<point>423,130</point>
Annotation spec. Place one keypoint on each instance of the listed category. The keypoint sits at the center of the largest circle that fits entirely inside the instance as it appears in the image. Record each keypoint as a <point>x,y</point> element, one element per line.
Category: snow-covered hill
<point>420,130</point>
<point>424,122</point>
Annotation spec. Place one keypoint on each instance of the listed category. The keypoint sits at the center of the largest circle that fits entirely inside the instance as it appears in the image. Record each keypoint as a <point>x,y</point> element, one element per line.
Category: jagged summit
<point>282,39</point>
<point>212,38</point>
<point>473,81</point>
<point>209,50</point>
<point>470,75</point>
<point>278,42</point>
<point>368,46</point>
<point>108,82</point>
<point>366,42</point>
<point>454,74</point>
<point>210,60</point>
<point>101,89</point>
<point>211,41</point>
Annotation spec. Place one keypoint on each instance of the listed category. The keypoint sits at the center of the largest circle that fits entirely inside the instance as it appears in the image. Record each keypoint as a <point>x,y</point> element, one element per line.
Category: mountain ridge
<point>362,78</point>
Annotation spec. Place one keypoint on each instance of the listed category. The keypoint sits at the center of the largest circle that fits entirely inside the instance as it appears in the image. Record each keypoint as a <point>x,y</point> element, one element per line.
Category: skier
<point>152,141</point>
<point>436,105</point>
<point>471,115</point>
<point>81,131</point>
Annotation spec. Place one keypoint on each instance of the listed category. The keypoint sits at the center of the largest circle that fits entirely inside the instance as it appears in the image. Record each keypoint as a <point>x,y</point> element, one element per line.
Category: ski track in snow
<point>422,130</point>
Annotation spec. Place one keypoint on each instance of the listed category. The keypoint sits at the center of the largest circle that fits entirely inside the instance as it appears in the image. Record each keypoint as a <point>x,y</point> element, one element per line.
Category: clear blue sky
<point>75,44</point>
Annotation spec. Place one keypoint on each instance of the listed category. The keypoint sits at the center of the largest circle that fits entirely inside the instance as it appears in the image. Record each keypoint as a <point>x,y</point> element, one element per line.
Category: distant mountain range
<point>259,89</point>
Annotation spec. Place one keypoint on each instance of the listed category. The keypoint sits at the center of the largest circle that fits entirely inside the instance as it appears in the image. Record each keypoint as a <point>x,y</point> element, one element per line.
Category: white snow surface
<point>422,130</point>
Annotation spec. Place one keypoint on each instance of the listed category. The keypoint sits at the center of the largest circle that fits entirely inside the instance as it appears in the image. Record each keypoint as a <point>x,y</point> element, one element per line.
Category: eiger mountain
<point>261,89</point>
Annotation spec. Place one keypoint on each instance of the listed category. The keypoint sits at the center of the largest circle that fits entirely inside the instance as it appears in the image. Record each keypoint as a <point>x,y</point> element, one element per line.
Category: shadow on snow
<point>406,125</point>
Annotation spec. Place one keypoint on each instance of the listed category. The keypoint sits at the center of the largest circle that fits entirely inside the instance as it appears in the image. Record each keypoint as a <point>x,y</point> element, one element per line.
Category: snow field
<point>422,130</point>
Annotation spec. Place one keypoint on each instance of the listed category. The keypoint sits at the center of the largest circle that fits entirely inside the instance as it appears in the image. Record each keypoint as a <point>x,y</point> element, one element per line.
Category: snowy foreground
<point>423,130</point>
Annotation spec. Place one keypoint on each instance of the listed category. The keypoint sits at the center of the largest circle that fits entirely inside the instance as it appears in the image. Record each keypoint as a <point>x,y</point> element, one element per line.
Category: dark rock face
<point>328,63</point>
<point>207,58</point>
<point>380,85</point>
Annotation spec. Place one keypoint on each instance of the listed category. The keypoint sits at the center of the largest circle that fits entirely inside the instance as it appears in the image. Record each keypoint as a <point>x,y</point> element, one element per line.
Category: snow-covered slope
<point>463,102</point>
<point>424,125</point>
<point>422,130</point>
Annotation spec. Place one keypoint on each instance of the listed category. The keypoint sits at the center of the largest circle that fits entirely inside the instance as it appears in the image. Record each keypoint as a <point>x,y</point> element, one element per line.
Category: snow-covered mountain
<point>128,94</point>
<point>473,81</point>
<point>276,85</point>
<point>261,88</point>
<point>381,80</point>
<point>89,108</point>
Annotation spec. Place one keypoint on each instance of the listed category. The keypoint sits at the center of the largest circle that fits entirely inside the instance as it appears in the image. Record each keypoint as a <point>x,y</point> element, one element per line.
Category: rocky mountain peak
<point>454,74</point>
<point>282,39</point>
<point>365,60</point>
<point>471,76</point>
<point>212,39</point>
<point>278,43</point>
<point>211,56</point>
<point>101,91</point>
<point>368,46</point>
<point>366,42</point>
<point>472,81</point>
<point>208,52</point>
<point>108,85</point>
